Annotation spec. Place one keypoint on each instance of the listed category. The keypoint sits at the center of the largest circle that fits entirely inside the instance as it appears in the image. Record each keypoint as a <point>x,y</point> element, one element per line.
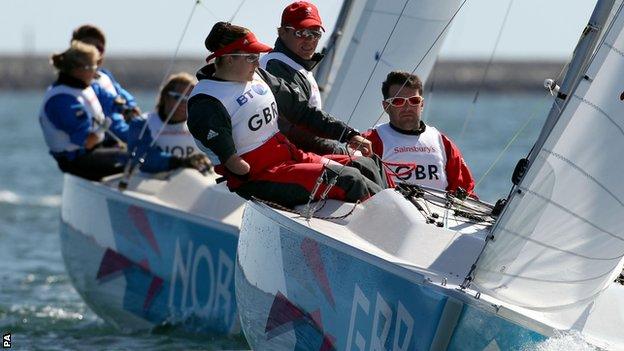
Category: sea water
<point>42,311</point>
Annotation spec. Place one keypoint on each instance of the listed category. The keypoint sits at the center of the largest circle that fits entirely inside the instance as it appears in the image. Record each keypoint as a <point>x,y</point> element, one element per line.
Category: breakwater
<point>146,73</point>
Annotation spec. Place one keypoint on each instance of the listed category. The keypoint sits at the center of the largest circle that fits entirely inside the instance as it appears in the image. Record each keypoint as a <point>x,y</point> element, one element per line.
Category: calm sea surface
<point>38,304</point>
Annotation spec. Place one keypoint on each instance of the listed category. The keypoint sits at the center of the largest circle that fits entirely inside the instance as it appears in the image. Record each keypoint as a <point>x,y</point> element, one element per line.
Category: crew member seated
<point>161,138</point>
<point>411,151</point>
<point>74,122</point>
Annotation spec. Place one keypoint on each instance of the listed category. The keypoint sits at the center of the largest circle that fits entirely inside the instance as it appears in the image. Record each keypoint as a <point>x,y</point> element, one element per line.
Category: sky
<point>535,29</point>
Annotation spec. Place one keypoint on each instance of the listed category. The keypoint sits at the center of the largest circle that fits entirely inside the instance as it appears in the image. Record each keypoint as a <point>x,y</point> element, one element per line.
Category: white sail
<point>369,25</point>
<point>560,242</point>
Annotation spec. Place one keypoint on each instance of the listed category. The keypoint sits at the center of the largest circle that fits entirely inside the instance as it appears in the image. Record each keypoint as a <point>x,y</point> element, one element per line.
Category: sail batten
<point>560,240</point>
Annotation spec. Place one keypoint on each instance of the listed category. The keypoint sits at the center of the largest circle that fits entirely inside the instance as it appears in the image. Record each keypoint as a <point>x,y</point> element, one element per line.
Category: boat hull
<point>139,265</point>
<point>301,290</point>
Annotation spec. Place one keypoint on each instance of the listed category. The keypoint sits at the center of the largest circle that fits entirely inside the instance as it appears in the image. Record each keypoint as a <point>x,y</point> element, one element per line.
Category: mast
<point>582,55</point>
<point>325,67</point>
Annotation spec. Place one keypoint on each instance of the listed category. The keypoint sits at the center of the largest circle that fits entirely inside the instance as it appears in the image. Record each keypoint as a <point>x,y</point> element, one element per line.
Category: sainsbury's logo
<point>421,149</point>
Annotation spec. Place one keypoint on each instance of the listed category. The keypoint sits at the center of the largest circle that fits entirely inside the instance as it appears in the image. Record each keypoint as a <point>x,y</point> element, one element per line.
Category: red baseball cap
<point>301,14</point>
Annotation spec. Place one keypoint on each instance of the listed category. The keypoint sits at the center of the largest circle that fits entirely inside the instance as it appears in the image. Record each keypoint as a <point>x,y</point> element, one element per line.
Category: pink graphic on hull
<point>312,255</point>
<point>284,312</point>
<point>141,222</point>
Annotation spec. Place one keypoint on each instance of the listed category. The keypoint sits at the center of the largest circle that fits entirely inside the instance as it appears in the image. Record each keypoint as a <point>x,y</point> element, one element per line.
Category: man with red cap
<point>293,59</point>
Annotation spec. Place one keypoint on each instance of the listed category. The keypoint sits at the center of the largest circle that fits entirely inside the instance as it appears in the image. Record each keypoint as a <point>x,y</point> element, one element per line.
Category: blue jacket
<point>156,159</point>
<point>66,115</point>
<point>130,100</point>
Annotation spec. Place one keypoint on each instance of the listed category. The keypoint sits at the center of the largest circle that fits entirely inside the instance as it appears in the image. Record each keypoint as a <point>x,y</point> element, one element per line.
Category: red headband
<point>248,43</point>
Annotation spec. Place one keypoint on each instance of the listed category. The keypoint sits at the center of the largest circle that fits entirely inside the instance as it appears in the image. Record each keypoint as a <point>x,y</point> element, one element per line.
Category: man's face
<point>406,117</point>
<point>302,45</point>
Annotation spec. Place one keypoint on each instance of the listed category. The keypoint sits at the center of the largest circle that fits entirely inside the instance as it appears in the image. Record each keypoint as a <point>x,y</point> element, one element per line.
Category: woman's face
<point>86,72</point>
<point>242,65</point>
<point>181,94</point>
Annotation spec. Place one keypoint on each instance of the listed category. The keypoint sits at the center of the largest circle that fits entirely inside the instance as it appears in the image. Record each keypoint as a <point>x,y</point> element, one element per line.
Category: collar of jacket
<point>418,131</point>
<point>66,79</point>
<point>307,64</point>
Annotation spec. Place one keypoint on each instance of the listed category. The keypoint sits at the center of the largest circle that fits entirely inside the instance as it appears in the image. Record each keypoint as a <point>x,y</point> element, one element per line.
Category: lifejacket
<point>315,93</point>
<point>416,159</point>
<point>58,141</point>
<point>253,112</point>
<point>174,138</point>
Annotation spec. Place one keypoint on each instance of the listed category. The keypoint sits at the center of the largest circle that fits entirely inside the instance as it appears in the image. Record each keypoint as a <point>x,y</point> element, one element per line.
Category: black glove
<point>197,161</point>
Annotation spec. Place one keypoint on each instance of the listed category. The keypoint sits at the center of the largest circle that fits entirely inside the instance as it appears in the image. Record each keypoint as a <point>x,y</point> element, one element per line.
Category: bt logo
<point>257,88</point>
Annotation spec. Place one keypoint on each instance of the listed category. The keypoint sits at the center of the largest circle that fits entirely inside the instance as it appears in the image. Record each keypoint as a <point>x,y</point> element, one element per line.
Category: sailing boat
<point>162,251</point>
<point>415,268</point>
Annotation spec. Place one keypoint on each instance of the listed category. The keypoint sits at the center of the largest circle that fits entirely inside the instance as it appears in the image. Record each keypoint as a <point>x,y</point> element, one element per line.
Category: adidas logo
<point>211,134</point>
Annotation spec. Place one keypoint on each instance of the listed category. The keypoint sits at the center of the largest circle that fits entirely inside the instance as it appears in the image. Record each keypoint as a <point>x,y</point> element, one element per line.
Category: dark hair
<point>183,79</point>
<point>402,78</point>
<point>222,34</point>
<point>88,31</point>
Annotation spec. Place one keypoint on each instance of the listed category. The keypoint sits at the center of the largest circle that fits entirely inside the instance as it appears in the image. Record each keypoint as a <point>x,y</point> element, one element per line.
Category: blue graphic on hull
<point>176,271</point>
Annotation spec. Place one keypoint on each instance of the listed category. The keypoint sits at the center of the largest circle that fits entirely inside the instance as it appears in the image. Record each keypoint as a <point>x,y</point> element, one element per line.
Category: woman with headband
<point>233,112</point>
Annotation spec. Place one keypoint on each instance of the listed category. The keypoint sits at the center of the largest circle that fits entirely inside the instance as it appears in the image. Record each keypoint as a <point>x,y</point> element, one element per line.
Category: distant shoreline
<point>135,73</point>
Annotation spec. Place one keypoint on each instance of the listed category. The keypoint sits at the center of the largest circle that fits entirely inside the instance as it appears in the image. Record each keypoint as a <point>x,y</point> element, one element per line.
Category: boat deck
<point>433,241</point>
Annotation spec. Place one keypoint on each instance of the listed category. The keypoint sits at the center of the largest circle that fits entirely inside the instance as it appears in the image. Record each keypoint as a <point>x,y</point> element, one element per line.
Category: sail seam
<point>561,250</point>
<point>561,207</point>
<point>597,108</point>
<point>589,176</point>
<point>551,281</point>
<point>618,51</point>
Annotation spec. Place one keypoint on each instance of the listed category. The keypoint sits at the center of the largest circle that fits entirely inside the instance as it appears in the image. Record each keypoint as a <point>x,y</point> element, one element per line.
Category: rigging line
<point>509,143</point>
<point>208,9</point>
<point>412,72</point>
<point>383,50</point>
<point>170,68</point>
<point>177,49</point>
<point>423,57</point>
<point>130,165</point>
<point>485,72</point>
<point>237,10</point>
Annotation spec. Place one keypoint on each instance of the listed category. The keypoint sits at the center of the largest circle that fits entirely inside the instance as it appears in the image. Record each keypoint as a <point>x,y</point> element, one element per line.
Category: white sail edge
<point>405,48</point>
<point>567,239</point>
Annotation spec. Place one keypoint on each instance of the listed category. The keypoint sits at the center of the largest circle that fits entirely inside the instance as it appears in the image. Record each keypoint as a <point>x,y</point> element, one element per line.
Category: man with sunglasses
<point>410,150</point>
<point>292,59</point>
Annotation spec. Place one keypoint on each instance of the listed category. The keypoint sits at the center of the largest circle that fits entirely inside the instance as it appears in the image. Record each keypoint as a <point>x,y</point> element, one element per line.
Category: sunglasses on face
<point>178,96</point>
<point>307,33</point>
<point>248,57</point>
<point>90,67</point>
<point>400,101</point>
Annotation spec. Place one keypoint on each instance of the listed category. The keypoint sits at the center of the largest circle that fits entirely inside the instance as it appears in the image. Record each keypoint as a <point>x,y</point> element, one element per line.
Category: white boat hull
<point>299,289</point>
<point>140,262</point>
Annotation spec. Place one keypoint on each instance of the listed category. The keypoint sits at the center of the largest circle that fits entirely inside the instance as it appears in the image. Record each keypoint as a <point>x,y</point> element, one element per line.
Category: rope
<point>129,167</point>
<point>412,72</point>
<point>485,72</point>
<point>175,54</point>
<point>509,143</point>
<point>237,10</point>
<point>290,210</point>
